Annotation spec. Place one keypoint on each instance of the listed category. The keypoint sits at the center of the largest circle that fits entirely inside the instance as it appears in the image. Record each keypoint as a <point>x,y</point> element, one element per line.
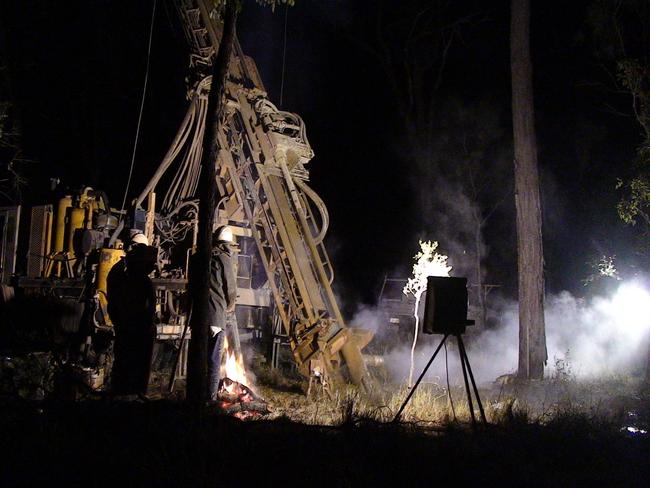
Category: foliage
<point>619,31</point>
<point>634,204</point>
<point>563,368</point>
<point>30,376</point>
<point>606,267</point>
<point>427,263</point>
<point>635,78</point>
<point>602,269</point>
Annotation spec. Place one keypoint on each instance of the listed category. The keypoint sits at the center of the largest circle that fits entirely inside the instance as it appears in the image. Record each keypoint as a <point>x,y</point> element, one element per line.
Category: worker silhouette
<point>221,301</point>
<point>131,307</point>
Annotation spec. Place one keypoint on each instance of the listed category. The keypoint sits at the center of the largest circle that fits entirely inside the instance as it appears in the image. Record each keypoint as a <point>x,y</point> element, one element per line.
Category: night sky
<point>78,68</point>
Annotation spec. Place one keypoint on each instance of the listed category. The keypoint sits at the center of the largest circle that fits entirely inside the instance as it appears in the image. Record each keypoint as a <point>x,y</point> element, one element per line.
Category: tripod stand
<point>464,361</point>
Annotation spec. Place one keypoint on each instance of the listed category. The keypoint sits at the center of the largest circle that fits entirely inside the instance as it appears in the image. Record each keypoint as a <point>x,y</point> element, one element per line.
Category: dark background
<point>77,70</point>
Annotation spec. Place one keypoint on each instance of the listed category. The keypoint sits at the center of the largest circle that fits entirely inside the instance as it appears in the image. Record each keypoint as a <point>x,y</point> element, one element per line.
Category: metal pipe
<point>281,158</point>
<point>320,205</point>
<point>174,149</point>
<point>116,233</point>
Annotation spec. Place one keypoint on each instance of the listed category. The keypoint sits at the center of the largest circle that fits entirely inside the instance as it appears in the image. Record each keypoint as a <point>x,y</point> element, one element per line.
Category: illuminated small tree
<point>427,263</point>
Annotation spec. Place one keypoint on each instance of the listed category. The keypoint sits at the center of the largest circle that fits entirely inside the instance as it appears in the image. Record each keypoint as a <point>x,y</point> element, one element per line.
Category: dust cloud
<point>591,338</point>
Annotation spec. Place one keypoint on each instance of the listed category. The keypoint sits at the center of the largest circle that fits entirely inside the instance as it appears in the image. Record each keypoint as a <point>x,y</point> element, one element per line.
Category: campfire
<point>234,396</point>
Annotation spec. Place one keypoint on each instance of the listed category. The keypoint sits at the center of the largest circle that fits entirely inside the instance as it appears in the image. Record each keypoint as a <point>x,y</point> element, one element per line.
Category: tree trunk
<point>415,338</point>
<point>478,258</point>
<point>532,338</point>
<point>197,374</point>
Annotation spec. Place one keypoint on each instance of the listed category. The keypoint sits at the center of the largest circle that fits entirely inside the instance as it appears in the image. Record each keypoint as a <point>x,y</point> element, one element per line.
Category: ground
<point>159,443</point>
<point>552,433</point>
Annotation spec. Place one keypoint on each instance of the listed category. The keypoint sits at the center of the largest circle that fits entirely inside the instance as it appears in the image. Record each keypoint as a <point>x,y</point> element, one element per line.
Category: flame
<point>233,367</point>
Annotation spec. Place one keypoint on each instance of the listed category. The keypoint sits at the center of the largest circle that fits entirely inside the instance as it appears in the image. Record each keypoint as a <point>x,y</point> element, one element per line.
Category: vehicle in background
<point>396,315</point>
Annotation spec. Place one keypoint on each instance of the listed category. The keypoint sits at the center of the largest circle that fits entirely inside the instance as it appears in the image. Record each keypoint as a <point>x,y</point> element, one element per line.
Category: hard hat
<point>224,234</point>
<point>140,238</point>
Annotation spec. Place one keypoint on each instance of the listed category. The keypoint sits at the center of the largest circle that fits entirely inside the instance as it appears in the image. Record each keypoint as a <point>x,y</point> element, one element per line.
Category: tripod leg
<point>467,390</point>
<point>401,409</point>
<point>471,376</point>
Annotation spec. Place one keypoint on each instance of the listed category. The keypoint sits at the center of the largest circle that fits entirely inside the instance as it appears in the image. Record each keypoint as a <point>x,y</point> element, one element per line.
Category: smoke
<point>586,339</point>
<point>604,335</point>
<point>456,220</point>
<point>461,175</point>
<point>369,318</point>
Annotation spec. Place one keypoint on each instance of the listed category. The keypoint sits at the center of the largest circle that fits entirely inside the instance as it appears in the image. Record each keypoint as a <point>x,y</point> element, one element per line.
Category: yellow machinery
<point>279,221</point>
<point>262,179</point>
<point>75,215</point>
<point>68,262</point>
<point>61,211</point>
<point>107,259</point>
<point>74,249</point>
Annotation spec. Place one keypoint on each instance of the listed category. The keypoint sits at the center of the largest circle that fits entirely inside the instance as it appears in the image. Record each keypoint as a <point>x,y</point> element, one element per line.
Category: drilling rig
<point>284,273</point>
<point>262,180</point>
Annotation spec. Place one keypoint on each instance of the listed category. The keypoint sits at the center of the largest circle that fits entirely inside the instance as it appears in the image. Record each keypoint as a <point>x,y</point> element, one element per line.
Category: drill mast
<point>262,182</point>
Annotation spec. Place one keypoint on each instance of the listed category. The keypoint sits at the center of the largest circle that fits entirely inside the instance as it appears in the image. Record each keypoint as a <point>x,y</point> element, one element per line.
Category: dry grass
<point>546,434</point>
<point>612,400</point>
<point>429,406</point>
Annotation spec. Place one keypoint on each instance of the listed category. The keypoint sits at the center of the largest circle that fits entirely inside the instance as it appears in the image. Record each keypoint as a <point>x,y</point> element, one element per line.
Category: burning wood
<point>233,396</point>
<point>240,401</point>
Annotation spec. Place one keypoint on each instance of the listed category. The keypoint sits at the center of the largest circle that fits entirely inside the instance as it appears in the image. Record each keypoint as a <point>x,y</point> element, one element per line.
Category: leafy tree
<point>634,206</point>
<point>428,262</point>
<point>620,36</point>
<point>620,32</point>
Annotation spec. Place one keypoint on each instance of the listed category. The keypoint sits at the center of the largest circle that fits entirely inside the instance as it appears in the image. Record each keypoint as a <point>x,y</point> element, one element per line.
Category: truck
<point>396,315</point>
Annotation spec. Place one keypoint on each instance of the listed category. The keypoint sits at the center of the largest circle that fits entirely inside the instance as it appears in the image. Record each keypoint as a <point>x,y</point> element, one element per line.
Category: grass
<point>612,400</point>
<point>550,433</point>
<point>98,443</point>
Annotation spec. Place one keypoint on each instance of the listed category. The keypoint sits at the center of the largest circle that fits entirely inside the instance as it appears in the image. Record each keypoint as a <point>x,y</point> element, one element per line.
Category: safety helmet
<point>224,234</point>
<point>139,238</point>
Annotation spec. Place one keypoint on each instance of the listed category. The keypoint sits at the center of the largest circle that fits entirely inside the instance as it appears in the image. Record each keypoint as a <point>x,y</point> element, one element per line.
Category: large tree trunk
<point>532,337</point>
<point>197,374</point>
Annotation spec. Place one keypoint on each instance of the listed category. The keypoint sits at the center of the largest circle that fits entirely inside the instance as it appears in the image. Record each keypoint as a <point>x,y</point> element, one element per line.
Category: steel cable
<point>144,94</point>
